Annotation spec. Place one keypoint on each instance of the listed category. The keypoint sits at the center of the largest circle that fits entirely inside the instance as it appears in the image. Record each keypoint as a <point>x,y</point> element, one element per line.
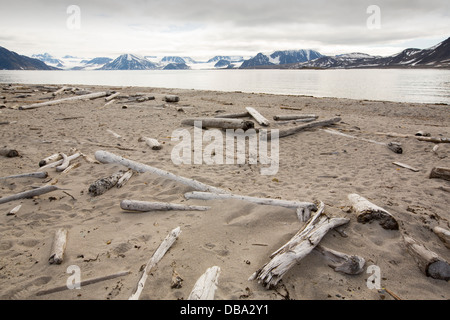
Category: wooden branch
<point>206,285</point>
<point>14,210</point>
<point>233,115</point>
<point>124,179</point>
<point>294,130</point>
<point>440,173</point>
<point>28,175</point>
<point>290,108</point>
<point>443,234</point>
<point>296,121</point>
<point>53,102</point>
<point>49,159</point>
<point>29,193</point>
<point>107,157</point>
<point>157,256</point>
<point>302,206</point>
<point>295,117</point>
<point>65,163</point>
<point>61,90</point>
<point>58,247</point>
<point>145,206</point>
<point>405,166</point>
<point>152,143</point>
<point>435,140</point>
<point>59,162</point>
<point>367,211</point>
<point>116,135</point>
<point>109,98</point>
<point>341,262</point>
<point>102,185</point>
<point>297,248</point>
<point>258,116</point>
<point>83,283</point>
<point>428,261</point>
<point>222,123</point>
<point>9,153</point>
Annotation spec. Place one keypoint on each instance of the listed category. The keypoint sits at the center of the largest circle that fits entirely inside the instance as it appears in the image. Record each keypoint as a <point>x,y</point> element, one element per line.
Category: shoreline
<point>236,236</point>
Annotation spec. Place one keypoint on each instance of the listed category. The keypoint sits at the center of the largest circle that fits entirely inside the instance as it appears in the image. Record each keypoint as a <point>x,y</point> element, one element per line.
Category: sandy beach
<point>235,235</point>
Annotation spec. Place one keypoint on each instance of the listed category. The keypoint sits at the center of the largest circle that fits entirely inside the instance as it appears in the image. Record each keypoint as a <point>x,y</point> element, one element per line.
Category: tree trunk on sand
<point>145,206</point>
<point>206,285</point>
<point>58,247</point>
<point>221,123</point>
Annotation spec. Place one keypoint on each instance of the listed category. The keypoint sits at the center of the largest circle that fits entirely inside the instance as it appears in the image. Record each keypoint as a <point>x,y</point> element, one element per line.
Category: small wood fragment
<point>440,173</point>
<point>443,234</point>
<point>221,123</point>
<point>13,211</point>
<point>152,143</point>
<point>294,117</point>
<point>206,285</point>
<point>58,247</point>
<point>258,116</point>
<point>102,185</point>
<point>405,166</point>
<point>124,179</point>
<point>342,262</point>
<point>9,153</point>
<point>367,211</point>
<point>434,139</point>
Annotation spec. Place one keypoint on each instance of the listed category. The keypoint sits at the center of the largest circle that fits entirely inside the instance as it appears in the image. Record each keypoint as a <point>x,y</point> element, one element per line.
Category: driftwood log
<point>341,262</point>
<point>221,123</point>
<point>258,116</point>
<point>304,208</point>
<point>58,247</point>
<point>39,174</point>
<point>107,157</point>
<point>435,140</point>
<point>440,173</point>
<point>60,162</point>
<point>53,102</point>
<point>152,143</point>
<point>428,261</point>
<point>233,115</point>
<point>367,211</point>
<point>49,159</point>
<point>29,194</point>
<point>145,206</point>
<point>157,256</point>
<point>443,234</point>
<point>303,127</point>
<point>124,179</point>
<point>102,185</point>
<point>405,166</point>
<point>295,117</point>
<point>300,245</point>
<point>206,285</point>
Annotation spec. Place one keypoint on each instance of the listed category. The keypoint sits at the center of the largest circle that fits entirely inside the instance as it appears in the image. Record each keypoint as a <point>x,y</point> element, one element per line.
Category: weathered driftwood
<point>102,185</point>
<point>65,163</point>
<point>152,143</point>
<point>367,211</point>
<point>60,162</point>
<point>304,208</point>
<point>157,256</point>
<point>295,117</point>
<point>29,193</point>
<point>83,283</point>
<point>61,90</point>
<point>9,153</point>
<point>53,102</point>
<point>258,116</point>
<point>222,123</point>
<point>118,136</point>
<point>206,285</point>
<point>114,95</point>
<point>145,206</point>
<point>305,120</point>
<point>393,146</point>
<point>296,129</point>
<point>39,174</point>
<point>233,115</point>
<point>297,248</point>
<point>341,262</point>
<point>107,157</point>
<point>434,139</point>
<point>406,166</point>
<point>49,159</point>
<point>14,210</point>
<point>124,179</point>
<point>443,234</point>
<point>440,173</point>
<point>428,261</point>
<point>171,98</point>
<point>291,108</point>
<point>58,247</point>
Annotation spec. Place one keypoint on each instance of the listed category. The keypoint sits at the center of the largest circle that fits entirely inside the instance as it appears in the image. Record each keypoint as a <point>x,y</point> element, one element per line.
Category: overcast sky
<point>205,28</point>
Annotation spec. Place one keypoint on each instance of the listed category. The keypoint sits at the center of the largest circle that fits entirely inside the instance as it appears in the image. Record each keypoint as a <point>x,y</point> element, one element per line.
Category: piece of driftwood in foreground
<point>300,245</point>
<point>49,159</point>
<point>435,140</point>
<point>152,143</point>
<point>9,153</point>
<point>367,211</point>
<point>295,117</point>
<point>83,283</point>
<point>428,261</point>
<point>233,115</point>
<point>107,157</point>
<point>58,247</point>
<point>303,127</point>
<point>304,207</point>
<point>443,234</point>
<point>102,185</point>
<point>157,256</point>
<point>29,193</point>
<point>39,174</point>
<point>405,166</point>
<point>258,116</point>
<point>440,173</point>
<point>206,285</point>
<point>341,262</point>
<point>145,206</point>
<point>221,123</point>
<point>53,102</point>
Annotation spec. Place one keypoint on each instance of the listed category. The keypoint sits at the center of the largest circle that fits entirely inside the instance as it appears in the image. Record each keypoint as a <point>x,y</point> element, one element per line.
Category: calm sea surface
<point>402,85</point>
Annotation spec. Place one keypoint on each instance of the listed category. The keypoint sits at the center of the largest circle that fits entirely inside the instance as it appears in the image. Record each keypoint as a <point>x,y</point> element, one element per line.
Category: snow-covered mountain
<point>10,60</point>
<point>129,62</point>
<point>231,59</point>
<point>49,60</point>
<point>280,58</point>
